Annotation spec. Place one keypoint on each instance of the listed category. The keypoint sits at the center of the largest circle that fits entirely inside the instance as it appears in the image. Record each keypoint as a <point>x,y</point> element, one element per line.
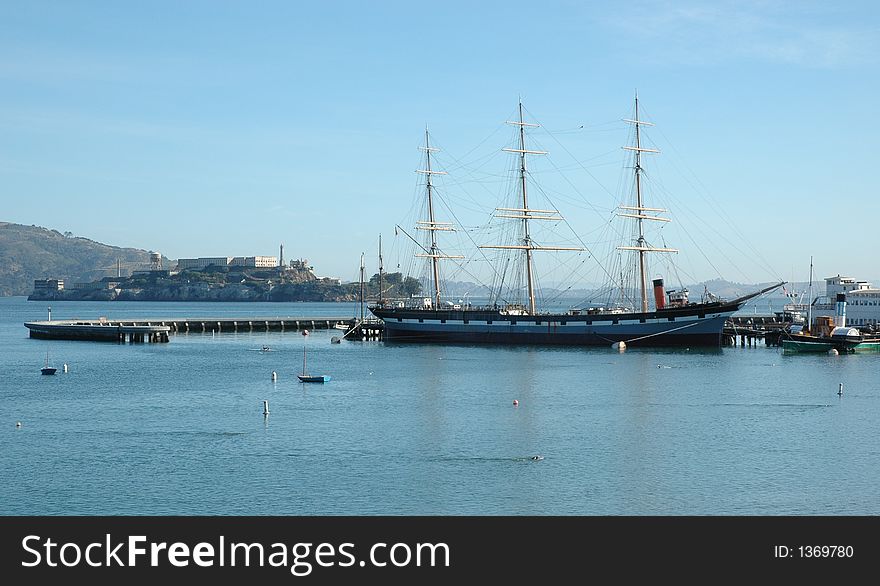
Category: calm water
<point>418,429</point>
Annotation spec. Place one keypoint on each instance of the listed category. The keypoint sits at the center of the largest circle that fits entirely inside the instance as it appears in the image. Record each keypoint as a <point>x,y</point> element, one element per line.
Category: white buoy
<point>833,352</point>
<point>265,407</point>
<point>65,367</point>
<point>274,376</point>
<point>18,424</point>
<point>840,390</point>
<point>619,346</point>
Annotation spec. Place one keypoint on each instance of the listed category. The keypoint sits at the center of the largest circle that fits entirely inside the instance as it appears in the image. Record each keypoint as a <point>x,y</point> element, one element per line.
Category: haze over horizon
<point>219,128</point>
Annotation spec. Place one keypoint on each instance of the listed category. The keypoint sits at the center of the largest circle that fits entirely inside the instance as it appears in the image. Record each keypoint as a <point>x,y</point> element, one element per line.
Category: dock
<point>158,330</point>
<point>751,329</point>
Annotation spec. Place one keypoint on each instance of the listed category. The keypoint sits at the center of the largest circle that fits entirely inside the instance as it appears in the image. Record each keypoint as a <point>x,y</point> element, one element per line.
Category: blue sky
<point>211,128</point>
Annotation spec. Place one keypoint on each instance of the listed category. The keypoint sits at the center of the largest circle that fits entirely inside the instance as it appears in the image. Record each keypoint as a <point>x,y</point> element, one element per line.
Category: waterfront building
<point>862,301</point>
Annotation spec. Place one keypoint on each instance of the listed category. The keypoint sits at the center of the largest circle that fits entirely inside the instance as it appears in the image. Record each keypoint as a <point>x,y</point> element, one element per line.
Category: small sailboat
<point>305,377</point>
<point>48,369</point>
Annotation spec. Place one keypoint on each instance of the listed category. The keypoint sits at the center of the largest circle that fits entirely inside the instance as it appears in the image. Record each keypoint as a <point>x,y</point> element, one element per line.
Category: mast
<point>810,299</point>
<point>642,245</point>
<point>643,277</point>
<point>362,286</point>
<point>527,240</point>
<point>435,266</point>
<point>305,337</point>
<point>380,270</point>
<point>430,224</point>
<point>525,213</point>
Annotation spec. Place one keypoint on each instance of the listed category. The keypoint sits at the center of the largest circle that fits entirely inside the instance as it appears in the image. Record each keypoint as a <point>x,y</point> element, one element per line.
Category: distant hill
<point>34,252</point>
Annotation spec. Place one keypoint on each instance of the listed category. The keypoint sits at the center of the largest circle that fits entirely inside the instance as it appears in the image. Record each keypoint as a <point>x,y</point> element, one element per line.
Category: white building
<point>259,262</point>
<point>199,264</point>
<point>862,301</point>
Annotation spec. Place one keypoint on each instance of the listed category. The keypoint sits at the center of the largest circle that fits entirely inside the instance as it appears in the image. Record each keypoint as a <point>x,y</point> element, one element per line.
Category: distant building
<point>105,283</point>
<point>258,262</point>
<point>301,264</point>
<point>41,285</point>
<point>200,264</point>
<point>862,301</point>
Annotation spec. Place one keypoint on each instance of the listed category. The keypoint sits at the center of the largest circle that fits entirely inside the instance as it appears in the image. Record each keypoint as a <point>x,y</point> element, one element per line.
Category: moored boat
<point>673,320</point>
<point>831,334</point>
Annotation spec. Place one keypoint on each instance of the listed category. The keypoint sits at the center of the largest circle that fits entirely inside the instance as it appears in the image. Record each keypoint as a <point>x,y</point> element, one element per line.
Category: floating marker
<point>65,367</point>
<point>274,375</point>
<point>515,403</point>
<point>335,340</point>
<point>18,424</point>
<point>265,407</point>
<point>833,352</point>
<point>840,390</point>
<point>619,346</point>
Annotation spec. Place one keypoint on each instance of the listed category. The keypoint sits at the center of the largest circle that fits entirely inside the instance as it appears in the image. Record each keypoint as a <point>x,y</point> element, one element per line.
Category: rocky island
<point>238,279</point>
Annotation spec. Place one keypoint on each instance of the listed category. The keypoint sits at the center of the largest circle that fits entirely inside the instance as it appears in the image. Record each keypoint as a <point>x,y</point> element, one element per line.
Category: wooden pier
<point>749,330</point>
<point>158,330</point>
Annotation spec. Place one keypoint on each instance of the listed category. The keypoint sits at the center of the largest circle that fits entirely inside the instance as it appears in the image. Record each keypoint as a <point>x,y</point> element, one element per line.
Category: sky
<point>211,128</point>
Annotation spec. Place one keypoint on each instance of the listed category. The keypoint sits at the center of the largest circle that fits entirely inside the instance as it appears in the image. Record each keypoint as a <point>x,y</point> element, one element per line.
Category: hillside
<point>34,252</point>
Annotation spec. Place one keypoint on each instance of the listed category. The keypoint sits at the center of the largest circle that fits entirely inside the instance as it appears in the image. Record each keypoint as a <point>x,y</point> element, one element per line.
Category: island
<point>225,279</point>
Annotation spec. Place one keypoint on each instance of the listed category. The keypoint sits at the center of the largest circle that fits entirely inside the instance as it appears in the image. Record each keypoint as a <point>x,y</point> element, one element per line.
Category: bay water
<point>416,429</point>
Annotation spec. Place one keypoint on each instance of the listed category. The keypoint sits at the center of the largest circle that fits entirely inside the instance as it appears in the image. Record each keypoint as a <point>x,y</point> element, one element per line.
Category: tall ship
<point>672,320</point>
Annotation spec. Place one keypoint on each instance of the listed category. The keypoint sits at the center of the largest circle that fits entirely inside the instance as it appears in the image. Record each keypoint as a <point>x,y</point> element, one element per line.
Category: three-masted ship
<point>673,320</point>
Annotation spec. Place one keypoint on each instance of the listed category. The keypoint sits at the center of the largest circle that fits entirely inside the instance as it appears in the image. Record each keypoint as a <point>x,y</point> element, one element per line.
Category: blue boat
<point>48,369</point>
<point>313,378</point>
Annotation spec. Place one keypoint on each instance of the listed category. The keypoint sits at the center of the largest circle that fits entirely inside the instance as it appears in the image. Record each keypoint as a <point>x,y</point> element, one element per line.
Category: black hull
<point>693,340</point>
<point>692,326</point>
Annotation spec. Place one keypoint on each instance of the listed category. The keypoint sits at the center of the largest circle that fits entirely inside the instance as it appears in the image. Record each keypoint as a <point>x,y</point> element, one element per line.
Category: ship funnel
<point>840,315</point>
<point>659,294</point>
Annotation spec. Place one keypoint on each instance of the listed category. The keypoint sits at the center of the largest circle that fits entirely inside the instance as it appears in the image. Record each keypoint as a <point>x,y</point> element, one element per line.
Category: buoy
<point>265,407</point>
<point>65,367</point>
<point>515,403</point>
<point>305,332</point>
<point>274,375</point>
<point>833,352</point>
<point>335,340</point>
<point>619,346</point>
<point>840,390</point>
<point>18,424</point>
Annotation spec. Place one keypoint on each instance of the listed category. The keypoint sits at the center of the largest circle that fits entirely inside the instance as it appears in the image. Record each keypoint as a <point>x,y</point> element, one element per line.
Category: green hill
<point>34,252</point>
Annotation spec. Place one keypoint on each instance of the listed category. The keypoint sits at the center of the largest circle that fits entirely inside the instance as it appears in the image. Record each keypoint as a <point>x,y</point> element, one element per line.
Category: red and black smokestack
<point>659,294</point>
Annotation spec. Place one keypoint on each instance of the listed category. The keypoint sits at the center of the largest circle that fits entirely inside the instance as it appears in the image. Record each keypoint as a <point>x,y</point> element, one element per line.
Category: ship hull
<point>702,326</point>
